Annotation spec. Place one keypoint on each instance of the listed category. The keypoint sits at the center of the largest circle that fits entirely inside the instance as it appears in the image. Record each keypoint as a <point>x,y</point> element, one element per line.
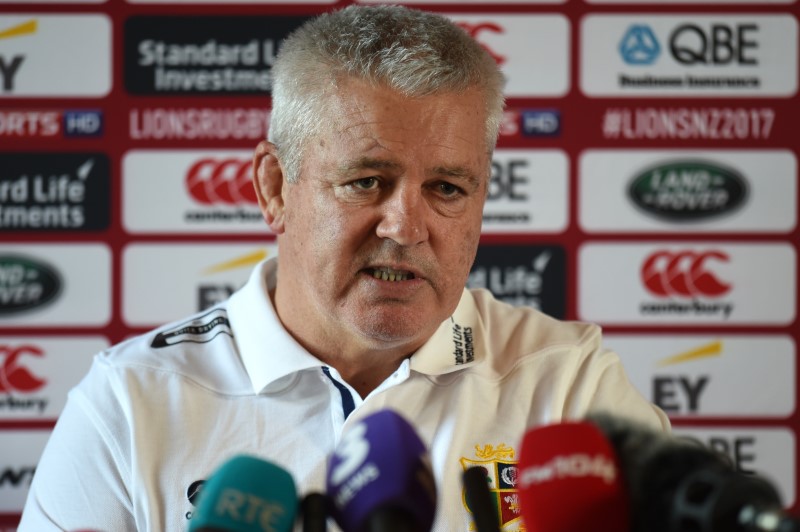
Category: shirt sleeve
<point>602,385</point>
<point>82,478</point>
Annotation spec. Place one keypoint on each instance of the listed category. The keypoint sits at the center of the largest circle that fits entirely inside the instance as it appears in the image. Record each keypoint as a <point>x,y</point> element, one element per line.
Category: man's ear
<point>268,182</point>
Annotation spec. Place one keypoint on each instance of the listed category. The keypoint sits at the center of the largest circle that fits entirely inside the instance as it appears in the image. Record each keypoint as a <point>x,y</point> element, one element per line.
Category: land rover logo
<point>688,190</point>
<point>26,284</point>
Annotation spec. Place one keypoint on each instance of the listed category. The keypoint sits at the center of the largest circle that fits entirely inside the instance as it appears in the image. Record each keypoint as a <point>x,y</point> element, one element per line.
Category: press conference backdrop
<point>645,179</point>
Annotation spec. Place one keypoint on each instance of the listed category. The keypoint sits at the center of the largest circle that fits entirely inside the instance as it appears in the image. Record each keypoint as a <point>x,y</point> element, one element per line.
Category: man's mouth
<point>388,274</point>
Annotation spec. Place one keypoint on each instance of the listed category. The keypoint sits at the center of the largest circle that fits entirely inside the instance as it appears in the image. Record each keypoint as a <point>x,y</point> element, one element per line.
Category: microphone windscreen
<point>570,480</point>
<point>380,477</point>
<point>654,465</point>
<point>314,511</point>
<point>246,494</point>
<point>480,500</point>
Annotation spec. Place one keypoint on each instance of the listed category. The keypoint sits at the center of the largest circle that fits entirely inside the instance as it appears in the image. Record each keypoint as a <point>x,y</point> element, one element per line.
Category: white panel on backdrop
<point>38,371</point>
<point>687,283</point>
<point>655,55</point>
<point>439,2</point>
<point>533,51</point>
<point>55,285</point>
<point>55,55</point>
<point>190,191</point>
<point>695,2</point>
<point>21,452</point>
<point>528,192</point>
<point>165,282</point>
<point>769,452</point>
<point>226,2</point>
<point>57,2</point>
<point>726,376</point>
<point>686,191</point>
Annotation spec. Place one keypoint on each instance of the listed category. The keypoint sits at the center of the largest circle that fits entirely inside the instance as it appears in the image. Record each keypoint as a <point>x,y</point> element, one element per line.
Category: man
<point>374,180</point>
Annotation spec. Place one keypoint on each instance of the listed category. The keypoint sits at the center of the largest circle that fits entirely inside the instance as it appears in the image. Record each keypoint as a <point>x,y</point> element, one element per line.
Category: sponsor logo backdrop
<point>646,178</point>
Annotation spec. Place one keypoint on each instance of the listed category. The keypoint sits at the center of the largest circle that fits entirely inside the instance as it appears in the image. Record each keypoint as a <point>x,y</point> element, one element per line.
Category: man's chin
<point>388,331</point>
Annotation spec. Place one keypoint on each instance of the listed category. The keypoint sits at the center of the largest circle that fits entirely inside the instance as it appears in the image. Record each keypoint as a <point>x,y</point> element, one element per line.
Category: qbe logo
<point>639,45</point>
<point>528,191</point>
<point>767,452</point>
<point>697,55</point>
<point>687,283</point>
<point>531,276</point>
<point>75,48</point>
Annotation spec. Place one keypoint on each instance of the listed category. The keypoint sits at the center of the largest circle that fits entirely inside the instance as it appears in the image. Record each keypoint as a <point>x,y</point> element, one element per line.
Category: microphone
<point>246,494</point>
<point>480,501</point>
<point>314,508</point>
<point>570,481</point>
<point>380,479</point>
<point>677,484</point>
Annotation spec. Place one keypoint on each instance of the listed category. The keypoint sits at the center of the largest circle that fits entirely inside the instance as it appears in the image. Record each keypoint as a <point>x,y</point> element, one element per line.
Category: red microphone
<point>570,481</point>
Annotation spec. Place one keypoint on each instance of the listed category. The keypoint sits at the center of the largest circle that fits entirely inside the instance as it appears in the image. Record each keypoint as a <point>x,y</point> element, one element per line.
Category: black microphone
<point>314,512</point>
<point>479,500</point>
<point>678,485</point>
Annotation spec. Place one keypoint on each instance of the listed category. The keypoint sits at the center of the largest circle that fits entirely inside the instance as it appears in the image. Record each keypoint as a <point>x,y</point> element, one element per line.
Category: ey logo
<point>9,64</point>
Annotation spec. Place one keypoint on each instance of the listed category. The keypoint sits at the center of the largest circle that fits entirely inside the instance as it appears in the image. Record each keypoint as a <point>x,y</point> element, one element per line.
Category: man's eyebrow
<point>372,163</point>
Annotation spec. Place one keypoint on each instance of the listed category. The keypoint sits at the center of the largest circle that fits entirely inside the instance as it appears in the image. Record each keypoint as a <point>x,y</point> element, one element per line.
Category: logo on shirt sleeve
<point>199,330</point>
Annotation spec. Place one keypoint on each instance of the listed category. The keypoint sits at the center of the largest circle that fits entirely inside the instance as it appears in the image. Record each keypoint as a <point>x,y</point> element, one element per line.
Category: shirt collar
<point>458,343</point>
<point>269,352</point>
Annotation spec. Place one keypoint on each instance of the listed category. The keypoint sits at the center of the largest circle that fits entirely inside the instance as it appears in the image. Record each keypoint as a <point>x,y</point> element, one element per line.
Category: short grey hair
<point>414,52</point>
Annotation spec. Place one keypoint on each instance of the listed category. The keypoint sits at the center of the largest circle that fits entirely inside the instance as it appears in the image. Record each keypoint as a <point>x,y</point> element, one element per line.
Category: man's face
<point>380,231</point>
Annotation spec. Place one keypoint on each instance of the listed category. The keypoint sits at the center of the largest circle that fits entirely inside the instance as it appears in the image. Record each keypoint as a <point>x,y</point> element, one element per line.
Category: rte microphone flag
<point>246,494</point>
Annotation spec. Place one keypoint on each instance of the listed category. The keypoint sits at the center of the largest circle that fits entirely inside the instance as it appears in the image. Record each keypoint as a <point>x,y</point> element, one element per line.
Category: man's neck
<point>363,365</point>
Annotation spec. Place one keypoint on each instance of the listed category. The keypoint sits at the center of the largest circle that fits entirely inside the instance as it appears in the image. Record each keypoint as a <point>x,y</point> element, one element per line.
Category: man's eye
<point>366,183</point>
<point>449,189</point>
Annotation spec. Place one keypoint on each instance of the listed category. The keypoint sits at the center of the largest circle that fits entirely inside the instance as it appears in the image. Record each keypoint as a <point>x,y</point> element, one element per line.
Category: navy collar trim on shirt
<point>348,405</point>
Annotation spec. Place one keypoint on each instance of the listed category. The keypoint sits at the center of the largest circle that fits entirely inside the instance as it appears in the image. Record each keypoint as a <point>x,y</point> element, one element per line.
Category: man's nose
<point>404,217</point>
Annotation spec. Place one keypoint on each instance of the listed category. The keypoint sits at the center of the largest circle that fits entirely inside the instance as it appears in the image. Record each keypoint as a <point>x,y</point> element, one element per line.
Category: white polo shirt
<point>160,412</point>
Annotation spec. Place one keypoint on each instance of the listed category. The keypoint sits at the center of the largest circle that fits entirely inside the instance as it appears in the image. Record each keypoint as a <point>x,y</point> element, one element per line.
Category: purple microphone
<point>380,479</point>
